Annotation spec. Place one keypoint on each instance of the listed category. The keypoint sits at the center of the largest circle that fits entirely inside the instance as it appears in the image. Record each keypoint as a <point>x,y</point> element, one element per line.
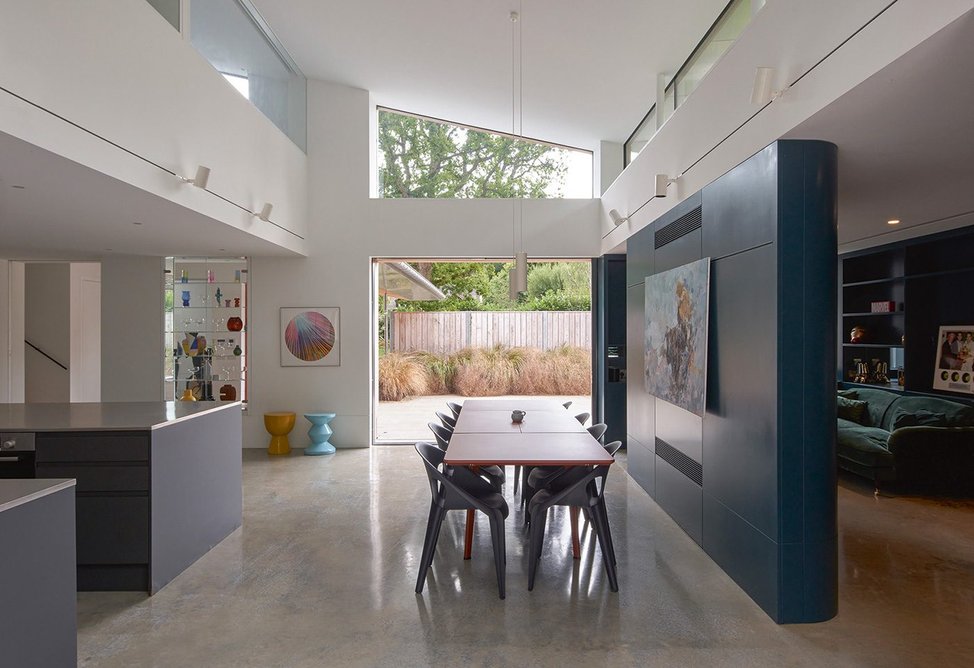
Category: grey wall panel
<point>681,498</point>
<point>740,208</point>
<point>641,408</point>
<point>740,455</point>
<point>639,256</point>
<point>38,583</point>
<point>681,429</point>
<point>642,465</point>
<point>686,249</point>
<point>746,554</point>
<point>197,492</point>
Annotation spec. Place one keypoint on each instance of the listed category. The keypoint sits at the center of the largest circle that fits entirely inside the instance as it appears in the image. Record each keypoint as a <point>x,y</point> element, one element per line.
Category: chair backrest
<point>583,486</point>
<point>442,435</point>
<point>597,430</point>
<point>582,418</point>
<point>613,447</point>
<point>451,495</point>
<point>455,408</point>
<point>567,404</point>
<point>448,422</point>
<point>432,458</point>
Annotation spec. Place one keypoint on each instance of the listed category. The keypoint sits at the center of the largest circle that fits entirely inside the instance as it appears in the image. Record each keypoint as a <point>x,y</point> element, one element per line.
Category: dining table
<point>548,435</point>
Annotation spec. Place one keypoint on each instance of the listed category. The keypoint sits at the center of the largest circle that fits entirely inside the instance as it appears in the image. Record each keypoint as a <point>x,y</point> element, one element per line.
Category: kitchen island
<point>37,581</point>
<point>158,483</point>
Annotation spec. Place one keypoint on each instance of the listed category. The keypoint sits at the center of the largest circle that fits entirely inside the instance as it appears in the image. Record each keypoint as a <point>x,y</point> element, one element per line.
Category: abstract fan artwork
<point>677,309</point>
<point>309,337</point>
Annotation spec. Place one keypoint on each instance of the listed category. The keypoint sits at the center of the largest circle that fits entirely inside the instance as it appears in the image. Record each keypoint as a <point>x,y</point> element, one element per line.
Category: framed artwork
<point>677,316</point>
<point>955,357</point>
<point>310,336</point>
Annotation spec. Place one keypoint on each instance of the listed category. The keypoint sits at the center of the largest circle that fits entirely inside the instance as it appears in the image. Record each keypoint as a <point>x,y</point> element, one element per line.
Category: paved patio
<point>406,420</point>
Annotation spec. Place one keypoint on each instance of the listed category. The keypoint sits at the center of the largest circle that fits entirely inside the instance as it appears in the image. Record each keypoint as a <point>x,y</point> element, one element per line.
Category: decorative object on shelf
<point>310,336</point>
<point>901,378</point>
<point>279,425</point>
<point>228,393</point>
<point>210,278</point>
<point>237,351</point>
<point>236,302</point>
<point>236,275</point>
<point>954,369</point>
<point>517,416</point>
<point>234,324</point>
<point>319,434</point>
<point>226,303</point>
<point>184,276</point>
<point>188,395</point>
<point>862,373</point>
<point>857,335</point>
<point>185,297</point>
<point>193,344</point>
<point>677,309</point>
<point>881,372</point>
<point>854,369</point>
<point>219,296</point>
<point>882,307</point>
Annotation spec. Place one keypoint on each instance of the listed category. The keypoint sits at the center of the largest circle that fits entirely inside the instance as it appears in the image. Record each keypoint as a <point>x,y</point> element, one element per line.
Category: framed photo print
<point>310,336</point>
<point>955,355</point>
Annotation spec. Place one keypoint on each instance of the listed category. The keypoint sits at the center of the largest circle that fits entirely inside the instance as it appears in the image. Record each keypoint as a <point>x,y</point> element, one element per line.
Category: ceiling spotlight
<point>265,212</point>
<point>617,217</point>
<point>895,221</point>
<point>201,178</point>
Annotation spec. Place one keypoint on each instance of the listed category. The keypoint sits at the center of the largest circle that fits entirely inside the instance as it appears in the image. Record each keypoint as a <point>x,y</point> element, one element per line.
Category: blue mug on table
<point>517,416</point>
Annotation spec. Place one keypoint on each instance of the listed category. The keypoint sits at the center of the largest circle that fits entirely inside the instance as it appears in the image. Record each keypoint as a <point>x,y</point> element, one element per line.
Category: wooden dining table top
<point>527,405</point>
<point>494,422</point>
<point>537,449</point>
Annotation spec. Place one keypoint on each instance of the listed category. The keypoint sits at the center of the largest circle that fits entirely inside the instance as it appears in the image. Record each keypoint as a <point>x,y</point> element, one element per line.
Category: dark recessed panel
<point>746,554</point>
<point>680,497</point>
<point>680,428</point>
<point>641,463</point>
<point>739,439</point>
<point>639,256</point>
<point>641,407</point>
<point>740,208</point>
<point>677,253</point>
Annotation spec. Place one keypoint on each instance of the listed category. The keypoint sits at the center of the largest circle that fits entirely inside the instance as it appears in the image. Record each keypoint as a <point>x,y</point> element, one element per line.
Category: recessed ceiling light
<point>19,187</point>
<point>895,221</point>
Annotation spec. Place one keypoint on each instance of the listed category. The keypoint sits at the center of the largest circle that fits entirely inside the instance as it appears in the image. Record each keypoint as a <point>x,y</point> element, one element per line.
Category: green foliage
<point>424,158</point>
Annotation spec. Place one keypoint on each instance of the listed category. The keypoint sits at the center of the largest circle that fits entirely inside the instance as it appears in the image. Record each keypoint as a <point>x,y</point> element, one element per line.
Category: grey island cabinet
<point>158,484</point>
<point>37,581</point>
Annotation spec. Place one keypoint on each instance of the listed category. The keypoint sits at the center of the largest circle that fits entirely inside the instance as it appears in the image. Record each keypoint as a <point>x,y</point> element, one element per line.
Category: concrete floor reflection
<point>322,574</point>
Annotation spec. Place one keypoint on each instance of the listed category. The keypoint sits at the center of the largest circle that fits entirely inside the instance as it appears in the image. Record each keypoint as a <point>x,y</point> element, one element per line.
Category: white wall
<point>47,324</point>
<point>347,228</point>
<point>717,127</point>
<point>132,323</point>
<point>85,365</point>
<point>140,101</point>
<point>12,276</point>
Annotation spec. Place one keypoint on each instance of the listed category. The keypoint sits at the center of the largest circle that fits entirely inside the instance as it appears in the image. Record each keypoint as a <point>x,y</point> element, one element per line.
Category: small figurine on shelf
<point>237,351</point>
<point>210,278</point>
<point>236,302</point>
<point>227,303</point>
<point>219,296</point>
<point>184,276</point>
<point>236,275</point>
<point>857,335</point>
<point>185,297</point>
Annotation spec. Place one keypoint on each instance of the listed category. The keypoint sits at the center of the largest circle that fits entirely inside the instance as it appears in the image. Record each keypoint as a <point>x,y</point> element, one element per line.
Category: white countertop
<point>108,416</point>
<point>17,492</point>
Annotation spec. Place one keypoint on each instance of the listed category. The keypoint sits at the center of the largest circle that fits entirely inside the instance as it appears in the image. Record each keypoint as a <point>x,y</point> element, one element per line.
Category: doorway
<point>448,328</point>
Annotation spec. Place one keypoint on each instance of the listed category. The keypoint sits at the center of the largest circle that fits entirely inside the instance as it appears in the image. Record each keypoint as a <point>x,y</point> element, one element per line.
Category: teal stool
<point>319,434</point>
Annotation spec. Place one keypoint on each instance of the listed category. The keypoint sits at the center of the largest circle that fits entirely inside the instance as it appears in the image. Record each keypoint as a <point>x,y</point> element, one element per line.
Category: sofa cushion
<point>879,401</point>
<point>955,413</point>
<point>901,418</point>
<point>850,409</point>
<point>864,445</point>
<point>849,394</point>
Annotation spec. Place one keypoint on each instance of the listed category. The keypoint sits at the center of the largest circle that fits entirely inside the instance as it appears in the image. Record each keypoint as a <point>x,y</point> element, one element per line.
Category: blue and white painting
<point>677,309</point>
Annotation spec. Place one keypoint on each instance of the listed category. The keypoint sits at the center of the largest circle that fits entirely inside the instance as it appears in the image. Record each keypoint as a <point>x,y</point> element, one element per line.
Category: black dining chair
<point>448,422</point>
<point>455,408</point>
<point>494,474</point>
<point>583,487</point>
<point>536,477</point>
<point>582,418</point>
<point>455,488</point>
<point>567,404</point>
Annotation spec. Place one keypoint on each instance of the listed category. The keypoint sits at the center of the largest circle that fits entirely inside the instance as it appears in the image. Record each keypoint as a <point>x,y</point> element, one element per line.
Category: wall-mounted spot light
<point>265,212</point>
<point>895,221</point>
<point>200,180</point>
<point>662,183</point>
<point>617,218</point>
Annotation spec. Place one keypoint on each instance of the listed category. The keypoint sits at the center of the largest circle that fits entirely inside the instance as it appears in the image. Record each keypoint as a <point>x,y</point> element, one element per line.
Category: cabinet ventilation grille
<point>691,469</point>
<point>683,225</point>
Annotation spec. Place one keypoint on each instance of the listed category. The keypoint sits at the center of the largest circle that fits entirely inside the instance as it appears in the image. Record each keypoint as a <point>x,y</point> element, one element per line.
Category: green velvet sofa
<point>919,442</point>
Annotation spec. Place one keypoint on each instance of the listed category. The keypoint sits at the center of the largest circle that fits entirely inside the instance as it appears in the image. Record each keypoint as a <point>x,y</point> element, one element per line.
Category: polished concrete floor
<point>323,570</point>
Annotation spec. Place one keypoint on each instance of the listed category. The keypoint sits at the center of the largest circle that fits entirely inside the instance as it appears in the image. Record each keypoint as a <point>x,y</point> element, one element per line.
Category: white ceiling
<point>589,68</point>
<point>906,143</point>
<point>66,211</point>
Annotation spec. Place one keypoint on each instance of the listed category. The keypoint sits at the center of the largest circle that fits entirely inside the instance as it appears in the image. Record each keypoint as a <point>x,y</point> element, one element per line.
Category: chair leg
<point>608,530</point>
<point>500,550</point>
<point>517,477</point>
<point>610,568</point>
<point>429,545</point>
<point>536,543</point>
<point>573,517</point>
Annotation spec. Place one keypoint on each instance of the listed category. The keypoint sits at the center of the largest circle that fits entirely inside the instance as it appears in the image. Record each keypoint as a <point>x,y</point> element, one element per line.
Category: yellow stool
<point>279,425</point>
